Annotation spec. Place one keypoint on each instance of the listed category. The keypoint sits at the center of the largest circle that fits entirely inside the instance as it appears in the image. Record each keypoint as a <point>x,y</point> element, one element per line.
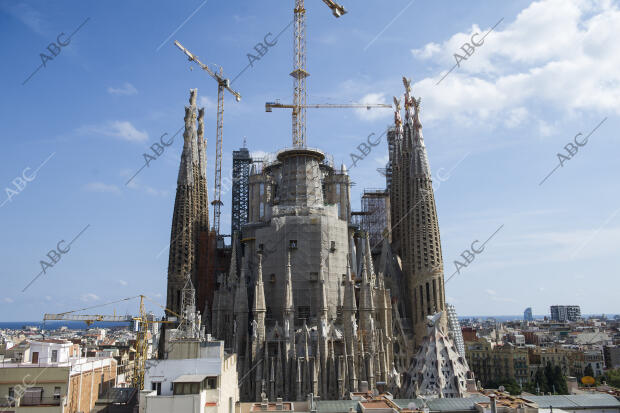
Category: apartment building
<point>54,378</point>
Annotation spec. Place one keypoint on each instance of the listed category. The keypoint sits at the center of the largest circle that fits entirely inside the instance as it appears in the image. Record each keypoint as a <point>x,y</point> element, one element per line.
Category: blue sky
<point>493,129</point>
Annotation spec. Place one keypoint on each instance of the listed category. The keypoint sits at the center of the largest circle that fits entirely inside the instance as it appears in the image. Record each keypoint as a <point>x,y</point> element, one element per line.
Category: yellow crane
<point>222,84</point>
<point>141,334</point>
<point>300,74</point>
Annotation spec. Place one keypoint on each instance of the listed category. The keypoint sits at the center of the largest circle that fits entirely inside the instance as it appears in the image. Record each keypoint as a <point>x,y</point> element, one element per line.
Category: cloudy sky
<point>511,92</point>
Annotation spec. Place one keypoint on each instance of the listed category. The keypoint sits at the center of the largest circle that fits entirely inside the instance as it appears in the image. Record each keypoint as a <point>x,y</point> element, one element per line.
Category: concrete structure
<point>190,218</point>
<point>240,188</point>
<point>305,282</point>
<point>196,377</point>
<point>527,314</point>
<point>56,380</point>
<point>438,370</point>
<point>415,227</point>
<point>565,313</point>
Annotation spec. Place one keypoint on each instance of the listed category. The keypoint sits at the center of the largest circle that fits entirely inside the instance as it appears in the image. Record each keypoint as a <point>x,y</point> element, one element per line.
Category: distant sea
<point>80,325</point>
<point>54,325</point>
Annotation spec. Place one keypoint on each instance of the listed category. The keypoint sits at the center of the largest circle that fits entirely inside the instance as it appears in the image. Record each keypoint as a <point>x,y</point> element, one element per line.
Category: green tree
<point>559,381</point>
<point>549,379</point>
<point>588,371</point>
<point>613,377</point>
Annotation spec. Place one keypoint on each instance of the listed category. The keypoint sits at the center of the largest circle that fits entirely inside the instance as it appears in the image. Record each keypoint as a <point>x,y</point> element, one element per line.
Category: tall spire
<point>190,153</point>
<point>417,235</point>
<point>398,121</point>
<point>368,258</point>
<point>288,286</point>
<point>259,289</point>
<point>202,144</point>
<point>232,271</point>
<point>419,160</point>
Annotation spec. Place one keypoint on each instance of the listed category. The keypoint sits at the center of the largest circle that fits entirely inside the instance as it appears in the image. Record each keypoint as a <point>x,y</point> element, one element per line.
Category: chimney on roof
<point>279,404</point>
<point>493,405</point>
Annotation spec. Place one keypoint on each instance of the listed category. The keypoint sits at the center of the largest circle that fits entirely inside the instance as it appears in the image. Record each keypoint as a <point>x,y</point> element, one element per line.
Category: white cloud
<point>122,282</point>
<point>557,54</point>
<point>126,90</point>
<point>374,113</point>
<point>206,102</point>
<point>149,190</point>
<point>490,292</point>
<point>121,129</point>
<point>7,300</point>
<point>89,297</point>
<point>102,188</point>
<point>28,16</point>
<point>259,154</point>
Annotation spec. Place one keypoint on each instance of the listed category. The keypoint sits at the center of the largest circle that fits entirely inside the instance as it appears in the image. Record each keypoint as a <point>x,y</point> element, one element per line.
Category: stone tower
<point>190,217</point>
<point>311,315</point>
<point>415,228</point>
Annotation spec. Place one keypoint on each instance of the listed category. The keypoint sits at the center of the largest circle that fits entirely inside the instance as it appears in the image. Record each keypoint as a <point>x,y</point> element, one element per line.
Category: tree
<point>613,377</point>
<point>549,379</point>
<point>588,371</point>
<point>559,381</point>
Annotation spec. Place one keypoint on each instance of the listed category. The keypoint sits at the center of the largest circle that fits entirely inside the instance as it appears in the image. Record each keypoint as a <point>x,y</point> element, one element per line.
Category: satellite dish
<point>588,380</point>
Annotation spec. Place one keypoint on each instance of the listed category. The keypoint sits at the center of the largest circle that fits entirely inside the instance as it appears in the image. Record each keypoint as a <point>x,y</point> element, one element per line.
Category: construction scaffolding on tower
<point>240,188</point>
<point>375,215</point>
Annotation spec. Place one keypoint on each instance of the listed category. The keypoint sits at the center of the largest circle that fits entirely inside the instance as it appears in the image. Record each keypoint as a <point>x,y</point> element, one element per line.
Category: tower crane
<point>271,105</point>
<point>141,334</point>
<point>300,74</point>
<point>222,84</point>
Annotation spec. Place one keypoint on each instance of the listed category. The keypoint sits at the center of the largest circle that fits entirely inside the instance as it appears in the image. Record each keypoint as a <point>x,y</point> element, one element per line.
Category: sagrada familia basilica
<point>304,299</point>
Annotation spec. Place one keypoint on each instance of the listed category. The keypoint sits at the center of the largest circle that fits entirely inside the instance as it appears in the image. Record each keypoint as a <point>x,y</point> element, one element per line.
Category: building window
<point>314,276</point>
<point>187,388</point>
<point>273,278</point>
<point>292,244</point>
<point>57,393</point>
<point>54,356</point>
<point>332,247</point>
<point>262,189</point>
<point>211,383</point>
<point>303,313</point>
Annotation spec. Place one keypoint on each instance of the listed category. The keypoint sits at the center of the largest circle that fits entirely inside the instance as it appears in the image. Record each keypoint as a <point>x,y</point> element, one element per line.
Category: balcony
<point>40,401</point>
<point>30,401</point>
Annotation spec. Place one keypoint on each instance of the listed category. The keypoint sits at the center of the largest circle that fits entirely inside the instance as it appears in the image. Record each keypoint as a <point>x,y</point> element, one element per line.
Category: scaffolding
<point>240,188</point>
<point>375,214</point>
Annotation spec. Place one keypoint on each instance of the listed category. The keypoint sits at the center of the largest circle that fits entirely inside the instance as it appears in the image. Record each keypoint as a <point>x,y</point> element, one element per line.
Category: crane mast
<point>300,74</point>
